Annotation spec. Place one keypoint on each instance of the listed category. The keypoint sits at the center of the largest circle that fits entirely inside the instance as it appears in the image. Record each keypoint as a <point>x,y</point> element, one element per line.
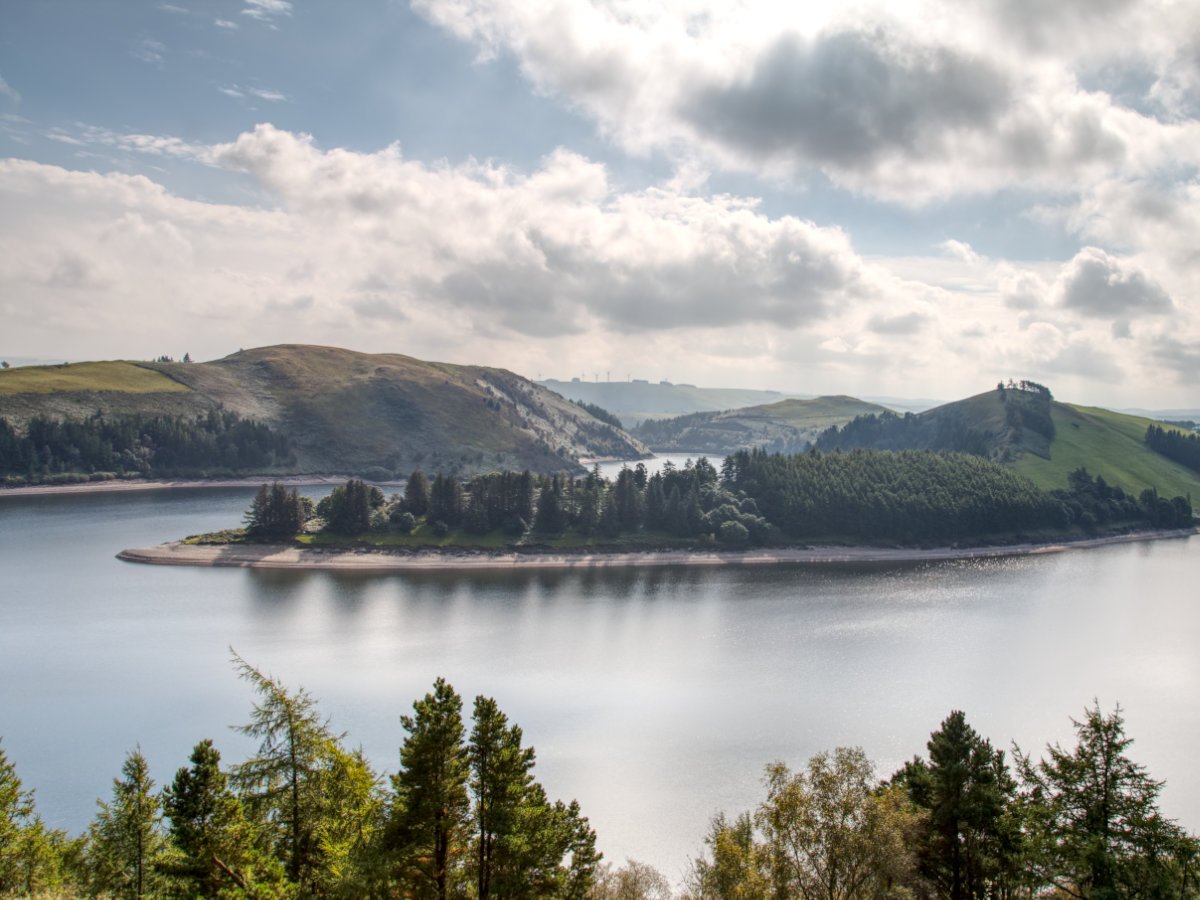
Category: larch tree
<point>125,840</point>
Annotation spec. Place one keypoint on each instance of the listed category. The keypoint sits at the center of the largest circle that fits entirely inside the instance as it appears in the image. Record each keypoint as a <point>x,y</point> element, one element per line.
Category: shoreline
<point>279,556</point>
<point>119,485</point>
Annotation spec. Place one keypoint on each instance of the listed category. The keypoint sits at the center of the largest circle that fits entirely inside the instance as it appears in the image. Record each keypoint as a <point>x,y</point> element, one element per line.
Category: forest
<point>1175,445</point>
<point>757,499</point>
<point>464,817</point>
<point>100,446</point>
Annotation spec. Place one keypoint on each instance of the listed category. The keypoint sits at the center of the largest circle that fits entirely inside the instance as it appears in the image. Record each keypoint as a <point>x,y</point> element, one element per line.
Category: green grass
<point>818,413</point>
<point>89,376</point>
<point>1109,444</point>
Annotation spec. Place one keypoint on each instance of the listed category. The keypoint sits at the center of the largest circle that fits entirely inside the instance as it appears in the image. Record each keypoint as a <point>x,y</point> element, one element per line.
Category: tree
<point>32,857</point>
<point>633,881</point>
<point>416,493</point>
<point>1096,831</point>
<point>275,512</point>
<point>207,827</point>
<point>125,841</point>
<point>969,842</point>
<point>347,509</point>
<point>830,834</point>
<point>284,785</point>
<point>500,776</point>
<point>427,832</point>
<point>737,869</point>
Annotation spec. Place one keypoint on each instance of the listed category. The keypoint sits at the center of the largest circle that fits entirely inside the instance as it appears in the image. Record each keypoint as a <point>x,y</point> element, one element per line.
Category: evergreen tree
<point>33,858</point>
<point>284,784</point>
<point>969,843</point>
<point>500,778</point>
<point>416,493</point>
<point>1095,828</point>
<point>428,827</point>
<point>125,841</point>
<point>207,828</point>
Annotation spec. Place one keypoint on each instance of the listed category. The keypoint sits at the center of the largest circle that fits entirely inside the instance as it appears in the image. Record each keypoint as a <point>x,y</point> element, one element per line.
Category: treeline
<point>140,445</point>
<point>960,824</point>
<point>464,817</point>
<point>757,499</point>
<point>600,413</point>
<point>306,816</point>
<point>1027,407</point>
<point>1175,445</point>
<point>888,431</point>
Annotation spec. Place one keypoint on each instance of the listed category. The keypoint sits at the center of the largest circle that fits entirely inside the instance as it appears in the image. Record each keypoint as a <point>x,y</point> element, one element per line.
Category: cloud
<point>148,50</point>
<point>267,94</point>
<point>940,104</point>
<point>239,92</point>
<point>1096,284</point>
<point>267,10</point>
<point>9,91</point>
<point>560,269</point>
<point>226,24</point>
<point>905,323</point>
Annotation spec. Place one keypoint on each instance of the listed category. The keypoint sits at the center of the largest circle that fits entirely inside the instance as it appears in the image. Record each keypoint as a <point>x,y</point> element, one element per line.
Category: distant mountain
<point>787,426</point>
<point>1040,437</point>
<point>636,401</point>
<point>342,411</point>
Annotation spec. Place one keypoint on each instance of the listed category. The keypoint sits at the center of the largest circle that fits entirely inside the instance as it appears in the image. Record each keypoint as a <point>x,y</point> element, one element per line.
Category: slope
<point>787,426</point>
<point>349,412</point>
<point>634,402</point>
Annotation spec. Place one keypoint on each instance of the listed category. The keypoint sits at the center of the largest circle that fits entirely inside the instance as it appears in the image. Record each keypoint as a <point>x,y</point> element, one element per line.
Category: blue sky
<point>907,199</point>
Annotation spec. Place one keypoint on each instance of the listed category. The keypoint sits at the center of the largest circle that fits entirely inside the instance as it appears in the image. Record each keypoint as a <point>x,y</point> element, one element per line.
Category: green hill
<point>787,426</point>
<point>1039,437</point>
<point>342,411</point>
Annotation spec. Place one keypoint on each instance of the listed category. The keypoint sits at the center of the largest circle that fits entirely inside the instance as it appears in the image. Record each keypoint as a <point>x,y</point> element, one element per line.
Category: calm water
<point>653,697</point>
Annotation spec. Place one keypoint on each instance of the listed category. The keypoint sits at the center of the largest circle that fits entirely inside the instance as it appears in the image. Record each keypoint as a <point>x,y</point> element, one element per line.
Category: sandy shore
<point>266,556</point>
<point>123,486</point>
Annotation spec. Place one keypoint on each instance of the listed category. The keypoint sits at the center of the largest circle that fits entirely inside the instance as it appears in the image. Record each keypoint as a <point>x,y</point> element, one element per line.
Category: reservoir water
<point>653,697</point>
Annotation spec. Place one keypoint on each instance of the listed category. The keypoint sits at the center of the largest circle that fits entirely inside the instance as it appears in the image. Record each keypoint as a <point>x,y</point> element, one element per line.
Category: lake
<point>653,697</point>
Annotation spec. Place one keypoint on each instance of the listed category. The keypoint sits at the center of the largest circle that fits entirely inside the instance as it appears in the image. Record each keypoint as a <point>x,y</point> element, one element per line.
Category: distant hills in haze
<point>635,401</point>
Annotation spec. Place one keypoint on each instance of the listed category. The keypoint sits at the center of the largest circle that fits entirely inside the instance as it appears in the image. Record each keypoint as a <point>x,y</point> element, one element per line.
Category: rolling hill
<point>787,426</point>
<point>634,402</point>
<point>1042,438</point>
<point>342,411</point>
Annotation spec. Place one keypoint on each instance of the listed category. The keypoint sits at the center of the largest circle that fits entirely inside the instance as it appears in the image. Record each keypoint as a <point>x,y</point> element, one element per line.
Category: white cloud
<point>558,270</point>
<point>913,108</point>
<point>9,91</point>
<point>226,24</point>
<point>267,10</point>
<point>149,50</point>
<point>1098,285</point>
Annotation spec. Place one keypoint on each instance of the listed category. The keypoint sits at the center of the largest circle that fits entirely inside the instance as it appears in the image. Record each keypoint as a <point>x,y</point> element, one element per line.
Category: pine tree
<point>500,777</point>
<point>125,841</point>
<point>428,828</point>
<point>207,826</point>
<point>416,493</point>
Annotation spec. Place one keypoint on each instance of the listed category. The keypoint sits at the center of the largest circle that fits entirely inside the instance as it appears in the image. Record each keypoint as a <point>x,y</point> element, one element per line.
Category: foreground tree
<point>33,858</point>
<point>211,837</point>
<point>427,832</point>
<point>969,842</point>
<point>1095,828</point>
<point>285,785</point>
<point>125,841</point>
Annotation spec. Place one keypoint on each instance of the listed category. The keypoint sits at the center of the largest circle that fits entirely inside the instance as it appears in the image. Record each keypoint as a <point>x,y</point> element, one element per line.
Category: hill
<point>1041,438</point>
<point>787,426</point>
<point>342,411</point>
<point>634,402</point>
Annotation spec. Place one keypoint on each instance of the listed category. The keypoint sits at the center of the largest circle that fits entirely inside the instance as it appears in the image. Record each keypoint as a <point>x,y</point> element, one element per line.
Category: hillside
<point>634,402</point>
<point>787,426</point>
<point>342,411</point>
<point>1041,438</point>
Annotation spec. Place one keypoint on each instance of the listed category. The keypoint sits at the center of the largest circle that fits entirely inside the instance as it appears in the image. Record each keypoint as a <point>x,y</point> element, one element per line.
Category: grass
<point>1109,444</point>
<point>818,413</point>
<point>118,376</point>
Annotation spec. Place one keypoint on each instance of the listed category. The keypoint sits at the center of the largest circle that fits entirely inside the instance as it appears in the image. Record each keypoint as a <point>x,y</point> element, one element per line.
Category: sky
<point>913,199</point>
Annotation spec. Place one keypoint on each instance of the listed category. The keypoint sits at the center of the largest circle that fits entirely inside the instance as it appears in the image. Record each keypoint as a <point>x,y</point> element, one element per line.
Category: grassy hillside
<point>636,401</point>
<point>126,377</point>
<point>787,426</point>
<point>344,411</point>
<point>1110,444</point>
<point>1045,442</point>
